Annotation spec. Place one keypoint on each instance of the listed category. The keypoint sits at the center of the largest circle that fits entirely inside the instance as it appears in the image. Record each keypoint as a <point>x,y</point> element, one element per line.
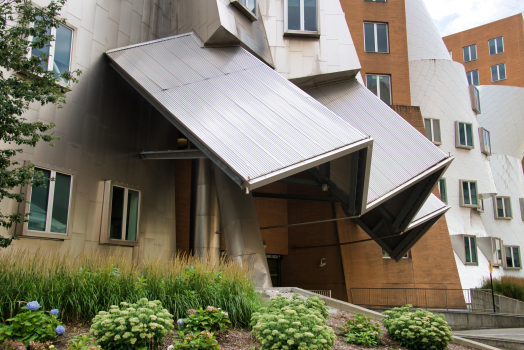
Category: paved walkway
<point>499,333</point>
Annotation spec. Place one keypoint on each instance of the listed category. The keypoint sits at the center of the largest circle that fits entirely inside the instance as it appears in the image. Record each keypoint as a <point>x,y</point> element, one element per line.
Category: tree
<point>24,79</point>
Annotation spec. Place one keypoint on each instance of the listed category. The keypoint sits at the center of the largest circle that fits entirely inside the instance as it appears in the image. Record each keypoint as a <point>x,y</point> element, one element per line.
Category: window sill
<point>118,242</point>
<point>465,147</point>
<point>437,143</point>
<point>472,206</point>
<point>383,53</point>
<point>512,268</point>
<point>299,33</point>
<point>471,60</point>
<point>496,81</point>
<point>503,218</point>
<point>44,235</point>
<point>471,264</point>
<point>242,8</point>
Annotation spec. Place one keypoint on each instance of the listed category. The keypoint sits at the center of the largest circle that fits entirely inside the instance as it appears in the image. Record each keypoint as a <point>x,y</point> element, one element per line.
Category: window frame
<point>495,207</point>
<point>406,256</point>
<point>480,207</point>
<point>521,202</point>
<point>498,72</point>
<point>457,135</point>
<point>513,258</point>
<point>294,32</point>
<point>472,80</point>
<point>378,86</point>
<point>105,229</point>
<point>445,200</point>
<point>432,121</point>
<point>473,263</point>
<point>493,251</point>
<point>461,193</point>
<point>503,46</point>
<point>450,54</point>
<point>22,229</point>
<point>464,56</point>
<point>245,10</point>
<point>375,32</point>
<point>383,1</point>
<point>483,147</point>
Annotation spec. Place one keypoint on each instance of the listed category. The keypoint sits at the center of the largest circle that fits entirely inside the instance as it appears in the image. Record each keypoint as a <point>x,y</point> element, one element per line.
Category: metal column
<point>204,241</point>
<point>239,222</point>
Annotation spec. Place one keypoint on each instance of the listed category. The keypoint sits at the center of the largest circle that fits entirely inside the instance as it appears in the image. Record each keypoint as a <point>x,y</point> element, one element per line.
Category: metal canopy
<point>253,123</point>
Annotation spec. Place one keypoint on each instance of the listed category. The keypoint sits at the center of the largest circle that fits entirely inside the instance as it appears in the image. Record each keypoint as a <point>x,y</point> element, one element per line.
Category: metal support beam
<point>171,154</point>
<point>294,196</point>
<point>353,182</point>
<point>333,189</point>
<point>301,182</point>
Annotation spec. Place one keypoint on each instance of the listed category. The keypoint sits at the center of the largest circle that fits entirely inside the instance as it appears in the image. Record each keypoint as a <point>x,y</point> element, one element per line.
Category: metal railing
<point>467,300</point>
<point>326,293</point>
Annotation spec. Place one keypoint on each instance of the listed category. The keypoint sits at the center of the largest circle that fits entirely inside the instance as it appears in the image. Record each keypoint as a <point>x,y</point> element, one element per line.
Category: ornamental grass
<point>508,286</point>
<point>81,286</point>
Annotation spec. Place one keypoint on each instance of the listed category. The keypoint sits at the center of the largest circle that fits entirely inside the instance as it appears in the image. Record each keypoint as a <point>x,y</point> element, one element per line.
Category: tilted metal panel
<point>431,207</point>
<point>251,118</point>
<point>400,152</point>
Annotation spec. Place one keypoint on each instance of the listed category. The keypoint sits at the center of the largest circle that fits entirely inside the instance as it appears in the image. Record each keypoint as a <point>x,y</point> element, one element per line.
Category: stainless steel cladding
<point>431,208</point>
<point>239,223</point>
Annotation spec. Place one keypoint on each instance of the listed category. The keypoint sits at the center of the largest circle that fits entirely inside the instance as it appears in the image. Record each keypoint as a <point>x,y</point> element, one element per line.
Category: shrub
<point>81,286</point>
<point>419,330</point>
<point>82,342</point>
<point>361,331</point>
<point>31,325</point>
<point>508,286</point>
<point>203,340</point>
<point>16,345</point>
<point>211,319</point>
<point>138,325</point>
<point>293,324</point>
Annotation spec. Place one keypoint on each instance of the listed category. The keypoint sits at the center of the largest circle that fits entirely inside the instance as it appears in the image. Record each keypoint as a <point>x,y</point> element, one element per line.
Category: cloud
<point>452,16</point>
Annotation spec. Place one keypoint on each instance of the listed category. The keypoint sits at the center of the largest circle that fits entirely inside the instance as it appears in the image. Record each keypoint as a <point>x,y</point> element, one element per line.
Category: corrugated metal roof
<point>254,120</point>
<point>433,206</point>
<point>400,152</point>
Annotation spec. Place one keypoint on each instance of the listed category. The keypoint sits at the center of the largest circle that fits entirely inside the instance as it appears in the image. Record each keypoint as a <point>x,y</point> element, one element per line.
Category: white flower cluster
<point>137,324</point>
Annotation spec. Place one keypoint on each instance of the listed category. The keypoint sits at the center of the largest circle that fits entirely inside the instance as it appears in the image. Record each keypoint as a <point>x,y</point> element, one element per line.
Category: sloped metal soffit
<point>254,124</point>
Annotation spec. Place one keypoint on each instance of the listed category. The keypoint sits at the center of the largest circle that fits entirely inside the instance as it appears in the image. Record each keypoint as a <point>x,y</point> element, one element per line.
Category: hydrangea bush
<point>210,319</point>
<point>202,341</point>
<point>362,331</point>
<point>132,326</point>
<point>293,324</point>
<point>418,330</point>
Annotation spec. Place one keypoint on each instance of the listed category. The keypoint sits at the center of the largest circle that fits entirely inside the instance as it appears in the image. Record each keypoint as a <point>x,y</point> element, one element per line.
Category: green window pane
<point>473,249</point>
<point>293,14</point>
<point>38,206</point>
<point>385,89</point>
<point>502,71</point>
<point>462,134</point>
<point>465,192</point>
<point>473,49</point>
<point>468,251</point>
<point>443,196</point>
<point>382,37</point>
<point>516,257</point>
<point>436,131</point>
<point>117,213</point>
<point>43,52</point>
<point>429,131</point>
<point>372,84</point>
<point>369,37</point>
<point>500,208</point>
<point>62,56</point>
<point>507,206</point>
<point>473,187</point>
<point>509,258</point>
<point>492,47</point>
<point>469,135</point>
<point>60,203</point>
<point>132,215</point>
<point>310,15</point>
<point>494,73</point>
<point>500,45</point>
<point>467,58</point>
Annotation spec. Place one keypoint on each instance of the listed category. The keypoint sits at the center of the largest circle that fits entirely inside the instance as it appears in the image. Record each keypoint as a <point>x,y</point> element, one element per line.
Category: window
<point>468,194</point>
<point>432,127</point>
<point>485,141</point>
<point>375,0</point>
<point>380,85</point>
<point>385,255</point>
<point>50,205</point>
<point>470,53</point>
<point>247,7</point>
<point>443,190</point>
<point>498,72</point>
<point>480,208</point>
<point>496,248</point>
<point>301,16</point>
<point>503,208</point>
<point>451,54</point>
<point>59,51</point>
<point>513,257</point>
<point>473,77</point>
<point>376,37</point>
<point>475,98</point>
<point>121,214</point>
<point>521,202</point>
<point>464,135</point>
<point>496,46</point>
<point>471,249</point>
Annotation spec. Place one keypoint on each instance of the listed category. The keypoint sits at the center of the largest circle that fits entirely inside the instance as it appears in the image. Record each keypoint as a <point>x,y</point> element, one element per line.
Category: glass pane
<point>382,37</point>
<point>475,74</point>
<point>310,15</point>
<point>516,257</point>
<point>117,213</point>
<point>494,73</point>
<point>462,134</point>
<point>436,130</point>
<point>369,37</point>
<point>468,251</point>
<point>251,5</point>
<point>466,54</point>
<point>509,258</point>
<point>492,47</point>
<point>62,55</point>
<point>502,71</point>
<point>44,50</point>
<point>429,131</point>
<point>293,14</point>
<point>487,141</point>
<point>60,203</point>
<point>500,45</point>
<point>132,215</point>
<point>371,82</point>
<point>473,52</point>
<point>473,250</point>
<point>507,207</point>
<point>500,208</point>
<point>385,89</point>
<point>469,135</point>
<point>442,187</point>
<point>38,206</point>
<point>465,192</point>
<point>473,187</point>
<point>470,78</point>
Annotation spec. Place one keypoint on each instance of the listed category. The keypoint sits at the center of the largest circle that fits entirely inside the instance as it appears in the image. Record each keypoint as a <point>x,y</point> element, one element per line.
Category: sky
<point>452,16</point>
